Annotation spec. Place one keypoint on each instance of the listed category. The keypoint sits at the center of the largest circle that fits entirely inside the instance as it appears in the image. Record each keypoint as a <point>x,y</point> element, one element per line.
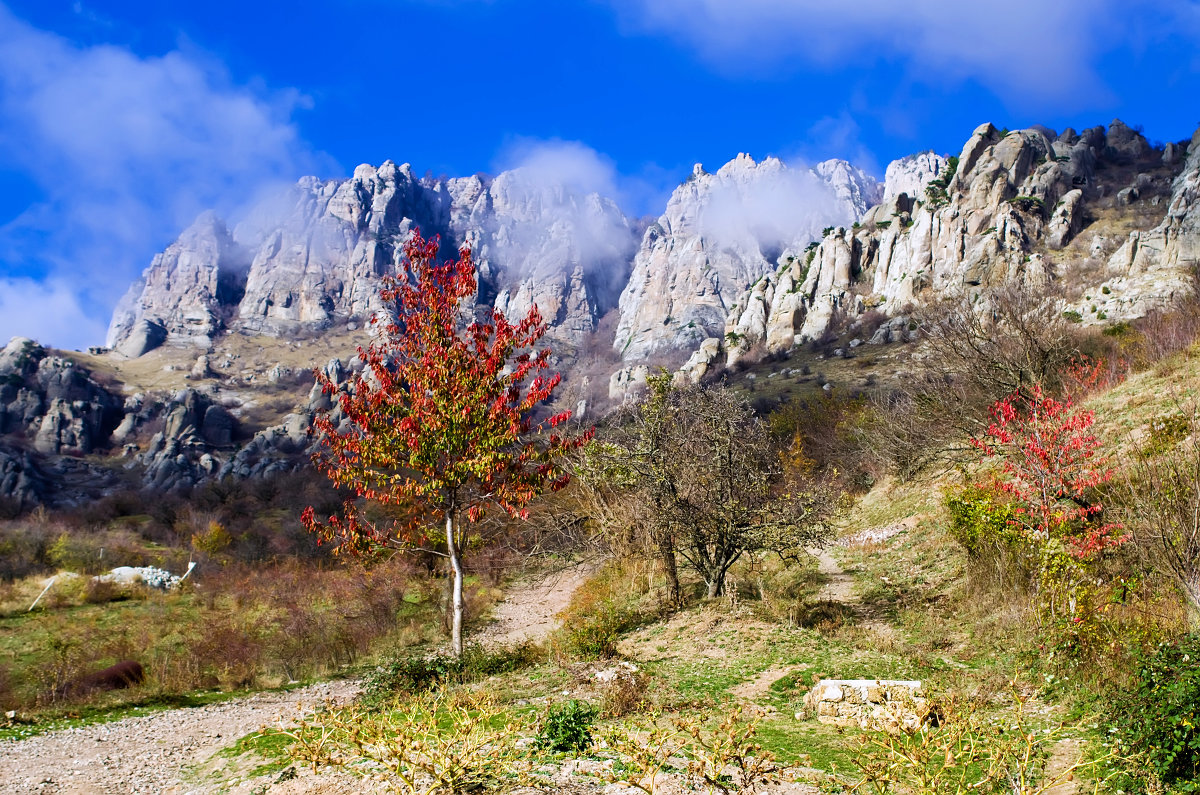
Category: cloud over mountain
<point>124,150</point>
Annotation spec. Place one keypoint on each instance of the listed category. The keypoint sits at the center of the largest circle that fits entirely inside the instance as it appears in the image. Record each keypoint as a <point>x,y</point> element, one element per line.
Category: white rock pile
<point>147,575</point>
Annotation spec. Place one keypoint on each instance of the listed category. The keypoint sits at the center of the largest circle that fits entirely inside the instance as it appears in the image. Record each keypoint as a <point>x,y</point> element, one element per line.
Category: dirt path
<point>529,609</point>
<point>158,753</point>
<point>148,753</point>
<point>839,586</point>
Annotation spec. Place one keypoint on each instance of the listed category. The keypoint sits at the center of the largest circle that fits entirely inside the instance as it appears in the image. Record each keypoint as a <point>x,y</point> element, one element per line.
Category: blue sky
<point>120,121</point>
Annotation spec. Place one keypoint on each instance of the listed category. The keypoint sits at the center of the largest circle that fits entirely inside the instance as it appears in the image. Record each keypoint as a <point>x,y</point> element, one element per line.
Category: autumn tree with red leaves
<point>1051,467</point>
<point>439,424</point>
<point>1052,463</point>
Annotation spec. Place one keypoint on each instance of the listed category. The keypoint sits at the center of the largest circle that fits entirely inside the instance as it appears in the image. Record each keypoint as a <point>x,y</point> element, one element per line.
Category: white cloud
<point>562,199</point>
<point>575,165</point>
<point>49,312</point>
<point>572,164</point>
<point>1029,51</point>
<point>125,150</point>
<point>773,206</point>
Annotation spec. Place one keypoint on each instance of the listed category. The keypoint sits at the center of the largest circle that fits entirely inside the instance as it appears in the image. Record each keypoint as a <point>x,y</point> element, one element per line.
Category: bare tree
<point>976,349</point>
<point>705,482</point>
<point>1160,507</point>
<point>732,497</point>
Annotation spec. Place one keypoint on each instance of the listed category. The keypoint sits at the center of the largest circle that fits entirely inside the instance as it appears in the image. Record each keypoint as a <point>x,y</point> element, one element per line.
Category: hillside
<point>896,597</point>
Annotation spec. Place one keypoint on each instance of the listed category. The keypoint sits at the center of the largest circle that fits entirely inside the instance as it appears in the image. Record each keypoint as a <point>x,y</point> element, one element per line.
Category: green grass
<point>267,749</point>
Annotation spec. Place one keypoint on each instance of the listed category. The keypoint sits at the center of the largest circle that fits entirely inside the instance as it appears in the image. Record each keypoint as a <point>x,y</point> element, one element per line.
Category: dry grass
<point>239,627</point>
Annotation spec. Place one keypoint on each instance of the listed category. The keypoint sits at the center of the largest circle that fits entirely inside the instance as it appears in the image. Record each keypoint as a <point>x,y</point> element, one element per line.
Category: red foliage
<point>1052,463</point>
<point>440,420</point>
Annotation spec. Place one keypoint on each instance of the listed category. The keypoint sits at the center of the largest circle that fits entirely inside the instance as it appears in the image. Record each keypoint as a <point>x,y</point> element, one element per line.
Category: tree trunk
<point>716,586</point>
<point>456,599</point>
<point>666,556</point>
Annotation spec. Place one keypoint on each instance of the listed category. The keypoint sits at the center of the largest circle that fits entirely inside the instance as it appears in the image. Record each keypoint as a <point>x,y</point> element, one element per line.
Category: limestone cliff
<point>720,234</point>
<point>1025,206</point>
<point>313,258</point>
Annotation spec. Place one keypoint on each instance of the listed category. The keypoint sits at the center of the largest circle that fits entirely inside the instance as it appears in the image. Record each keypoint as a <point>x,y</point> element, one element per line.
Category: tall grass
<point>237,627</point>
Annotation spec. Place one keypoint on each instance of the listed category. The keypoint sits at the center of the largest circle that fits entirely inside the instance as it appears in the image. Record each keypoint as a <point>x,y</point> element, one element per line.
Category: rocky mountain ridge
<point>752,259</point>
<point>312,259</point>
<point>1025,206</point>
<point>719,234</point>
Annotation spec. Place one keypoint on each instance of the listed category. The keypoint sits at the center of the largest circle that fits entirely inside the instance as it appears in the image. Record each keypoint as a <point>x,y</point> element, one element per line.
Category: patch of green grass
<point>268,746</point>
<point>807,743</point>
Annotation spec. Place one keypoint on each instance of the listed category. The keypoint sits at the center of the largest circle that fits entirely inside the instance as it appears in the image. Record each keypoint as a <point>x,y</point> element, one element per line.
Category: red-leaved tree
<point>1051,461</point>
<point>440,421</point>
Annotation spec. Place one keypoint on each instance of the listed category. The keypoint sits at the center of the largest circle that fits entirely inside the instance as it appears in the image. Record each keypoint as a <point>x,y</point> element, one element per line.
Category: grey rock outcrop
<point>1015,199</point>
<point>1152,268</point>
<point>720,234</point>
<point>52,402</point>
<point>197,433</point>
<point>911,175</point>
<point>185,293</point>
<point>20,480</point>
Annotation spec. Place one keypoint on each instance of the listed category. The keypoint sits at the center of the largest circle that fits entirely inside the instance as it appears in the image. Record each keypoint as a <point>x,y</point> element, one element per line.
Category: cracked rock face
<point>720,234</point>
<point>1016,200</point>
<point>183,291</point>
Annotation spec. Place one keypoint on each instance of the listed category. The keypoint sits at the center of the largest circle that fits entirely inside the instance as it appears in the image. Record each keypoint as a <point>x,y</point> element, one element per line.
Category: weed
<point>433,742</point>
<point>567,728</point>
<point>417,674</point>
<point>1157,719</point>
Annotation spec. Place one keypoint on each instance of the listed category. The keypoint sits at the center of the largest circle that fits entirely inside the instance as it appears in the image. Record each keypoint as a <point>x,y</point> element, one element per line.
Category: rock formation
<point>1009,209</point>
<point>314,257</point>
<point>752,259</point>
<point>720,234</point>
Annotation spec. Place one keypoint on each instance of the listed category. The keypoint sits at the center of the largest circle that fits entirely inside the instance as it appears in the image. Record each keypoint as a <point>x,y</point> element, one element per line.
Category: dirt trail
<point>839,586</point>
<point>149,753</point>
<point>158,753</point>
<point>529,610</point>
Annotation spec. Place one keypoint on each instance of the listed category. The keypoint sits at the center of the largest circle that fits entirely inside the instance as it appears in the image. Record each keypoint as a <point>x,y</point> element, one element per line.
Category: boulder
<point>142,337</point>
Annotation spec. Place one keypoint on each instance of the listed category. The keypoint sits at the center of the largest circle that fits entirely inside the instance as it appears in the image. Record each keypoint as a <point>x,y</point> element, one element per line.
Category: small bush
<point>567,728</point>
<point>593,635</point>
<point>625,692</point>
<point>982,522</point>
<point>436,742</point>
<point>823,616</point>
<point>418,674</point>
<point>1158,718</point>
<point>599,611</point>
<point>97,592</point>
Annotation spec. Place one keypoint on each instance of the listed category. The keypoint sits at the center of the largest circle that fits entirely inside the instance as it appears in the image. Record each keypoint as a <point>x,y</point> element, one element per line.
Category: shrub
<point>593,634</point>
<point>721,759</point>
<point>960,748</point>
<point>418,674</point>
<point>567,727</point>
<point>983,523</point>
<point>599,611</point>
<point>435,742</point>
<point>1158,718</point>
<point>625,694</point>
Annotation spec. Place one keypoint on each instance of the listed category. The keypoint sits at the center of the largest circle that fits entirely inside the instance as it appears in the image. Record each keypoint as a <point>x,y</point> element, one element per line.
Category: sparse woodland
<point>1014,523</point>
